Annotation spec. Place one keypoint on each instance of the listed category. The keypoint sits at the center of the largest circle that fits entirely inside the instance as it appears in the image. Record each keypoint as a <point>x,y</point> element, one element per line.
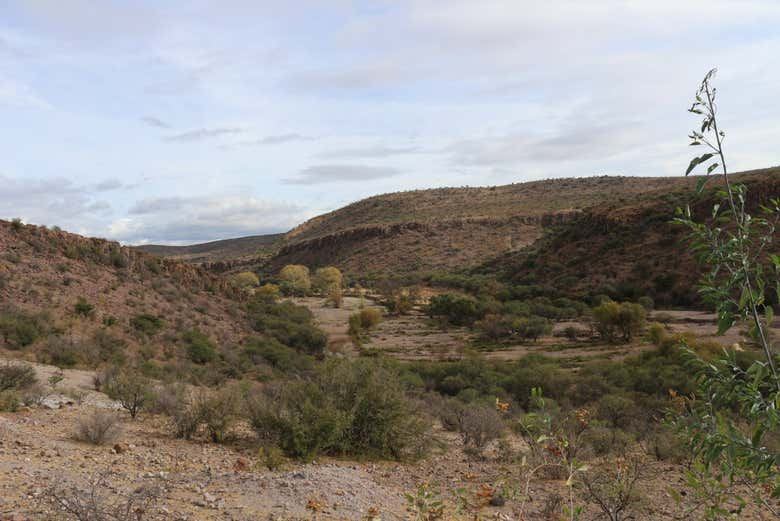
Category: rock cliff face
<point>417,246</point>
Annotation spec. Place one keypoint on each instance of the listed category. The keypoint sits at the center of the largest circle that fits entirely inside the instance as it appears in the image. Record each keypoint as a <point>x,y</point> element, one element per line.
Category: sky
<point>186,121</point>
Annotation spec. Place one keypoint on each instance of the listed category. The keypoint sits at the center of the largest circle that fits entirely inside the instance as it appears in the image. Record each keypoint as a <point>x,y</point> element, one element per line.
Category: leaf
<point>712,167</point>
<point>696,161</point>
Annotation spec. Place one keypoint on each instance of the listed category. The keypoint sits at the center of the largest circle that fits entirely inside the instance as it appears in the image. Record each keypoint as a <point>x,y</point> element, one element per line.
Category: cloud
<point>202,134</point>
<point>335,173</point>
<point>108,185</point>
<point>157,205</point>
<point>184,220</point>
<point>14,94</point>
<point>50,201</point>
<point>370,152</point>
<point>278,139</point>
<point>573,141</point>
<point>155,122</point>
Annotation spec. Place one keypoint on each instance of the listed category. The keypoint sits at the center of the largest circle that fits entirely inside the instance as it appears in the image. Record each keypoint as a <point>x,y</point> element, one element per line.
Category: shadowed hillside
<point>71,300</point>
<point>627,250</point>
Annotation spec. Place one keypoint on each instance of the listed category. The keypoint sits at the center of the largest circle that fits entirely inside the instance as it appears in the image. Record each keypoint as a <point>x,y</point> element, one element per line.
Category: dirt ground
<point>416,337</point>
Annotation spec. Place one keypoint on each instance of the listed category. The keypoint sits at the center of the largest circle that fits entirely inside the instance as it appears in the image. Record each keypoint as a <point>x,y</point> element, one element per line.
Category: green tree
<point>731,427</point>
<point>295,280</point>
<point>245,280</point>
<point>327,280</point>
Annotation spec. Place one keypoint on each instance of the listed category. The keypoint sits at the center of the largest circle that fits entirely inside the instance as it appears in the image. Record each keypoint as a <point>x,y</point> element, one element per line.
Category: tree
<point>295,280</point>
<point>131,389</point>
<point>613,319</point>
<point>327,280</point>
<point>731,426</point>
<point>245,280</point>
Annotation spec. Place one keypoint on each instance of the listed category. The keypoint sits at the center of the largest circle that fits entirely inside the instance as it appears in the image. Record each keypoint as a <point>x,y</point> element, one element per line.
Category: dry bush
<point>94,502</point>
<point>218,411</point>
<point>98,427</point>
<point>479,425</point>
<point>613,488</point>
<point>16,377</point>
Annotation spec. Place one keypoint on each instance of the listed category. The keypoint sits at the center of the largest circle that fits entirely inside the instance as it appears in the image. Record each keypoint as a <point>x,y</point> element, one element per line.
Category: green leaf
<point>712,167</point>
<point>700,184</point>
<point>696,161</point>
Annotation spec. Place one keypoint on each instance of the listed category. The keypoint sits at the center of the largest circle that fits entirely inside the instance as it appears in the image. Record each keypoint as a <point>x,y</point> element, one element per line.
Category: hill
<point>626,250</point>
<point>599,228</point>
<point>71,301</point>
<point>211,254</point>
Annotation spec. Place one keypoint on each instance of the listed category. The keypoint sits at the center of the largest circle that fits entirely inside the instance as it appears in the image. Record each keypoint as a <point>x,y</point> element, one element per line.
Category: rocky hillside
<point>72,300</point>
<point>616,220</point>
<point>627,250</point>
<point>218,255</point>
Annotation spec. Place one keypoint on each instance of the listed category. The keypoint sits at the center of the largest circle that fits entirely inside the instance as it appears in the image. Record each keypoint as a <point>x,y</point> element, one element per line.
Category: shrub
<point>200,349</point>
<point>612,319</point>
<point>295,280</point>
<point>83,308</point>
<point>62,351</point>
<point>131,389</point>
<point>479,425</point>
<point>10,401</point>
<point>277,355</point>
<point>16,377</point>
<point>100,501</point>
<point>218,410</point>
<point>351,407</point>
<point>268,292</point>
<point>97,428</point>
<point>603,440</point>
<point>20,329</point>
<point>531,328</point>
<point>362,322</point>
<point>459,311</point>
<point>288,323</point>
<point>147,324</point>
<point>646,302</point>
<point>271,457</point>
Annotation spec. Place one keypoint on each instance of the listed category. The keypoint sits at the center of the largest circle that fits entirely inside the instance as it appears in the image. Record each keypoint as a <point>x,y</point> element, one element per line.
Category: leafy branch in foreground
<point>731,424</point>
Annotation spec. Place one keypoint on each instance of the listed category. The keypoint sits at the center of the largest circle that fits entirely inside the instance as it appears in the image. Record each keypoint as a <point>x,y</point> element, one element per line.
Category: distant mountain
<point>226,249</point>
<point>590,232</point>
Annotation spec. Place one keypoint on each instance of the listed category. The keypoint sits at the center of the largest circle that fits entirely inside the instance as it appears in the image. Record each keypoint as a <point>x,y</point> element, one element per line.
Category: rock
<point>497,501</point>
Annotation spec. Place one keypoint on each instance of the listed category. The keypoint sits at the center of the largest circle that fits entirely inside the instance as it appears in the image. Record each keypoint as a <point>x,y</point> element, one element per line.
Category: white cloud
<point>318,174</point>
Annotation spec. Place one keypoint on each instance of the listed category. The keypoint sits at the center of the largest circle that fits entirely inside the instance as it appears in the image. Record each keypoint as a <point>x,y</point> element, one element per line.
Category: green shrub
<point>20,329</point>
<point>131,389</point>
<point>351,408</point>
<point>83,308</point>
<point>459,311</point>
<point>200,349</point>
<point>146,324</point>
<point>63,351</point>
<point>271,457</point>
<point>289,324</point>
<point>626,319</point>
<point>362,322</point>
<point>10,401</point>
<point>16,377</point>
<point>277,355</point>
